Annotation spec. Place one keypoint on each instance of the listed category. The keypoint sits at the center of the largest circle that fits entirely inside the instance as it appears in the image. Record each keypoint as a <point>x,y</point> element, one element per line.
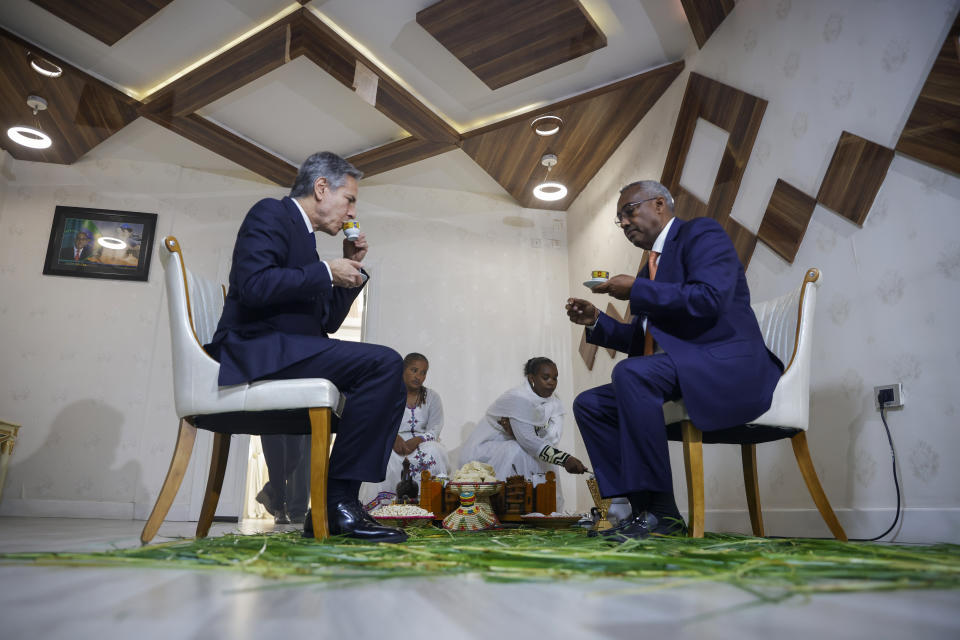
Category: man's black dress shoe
<point>349,518</point>
<point>265,497</point>
<point>297,518</point>
<point>282,517</point>
<point>644,525</point>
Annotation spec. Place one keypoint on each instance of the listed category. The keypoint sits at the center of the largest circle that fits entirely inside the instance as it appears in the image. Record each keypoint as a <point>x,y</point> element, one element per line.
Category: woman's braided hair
<point>409,359</point>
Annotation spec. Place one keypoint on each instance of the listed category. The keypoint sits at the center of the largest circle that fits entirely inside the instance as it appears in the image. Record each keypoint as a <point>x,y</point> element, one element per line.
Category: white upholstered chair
<point>787,326</point>
<point>265,407</point>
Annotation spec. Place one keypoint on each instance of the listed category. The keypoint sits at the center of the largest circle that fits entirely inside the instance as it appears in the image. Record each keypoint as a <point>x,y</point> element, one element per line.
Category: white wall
<point>891,290</point>
<point>86,362</point>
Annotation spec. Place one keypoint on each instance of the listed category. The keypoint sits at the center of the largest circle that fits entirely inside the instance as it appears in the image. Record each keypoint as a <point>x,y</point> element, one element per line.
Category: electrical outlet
<point>893,397</point>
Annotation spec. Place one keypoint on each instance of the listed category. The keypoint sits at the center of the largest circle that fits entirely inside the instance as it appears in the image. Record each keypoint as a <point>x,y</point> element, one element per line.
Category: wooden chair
<point>265,407</point>
<point>787,327</point>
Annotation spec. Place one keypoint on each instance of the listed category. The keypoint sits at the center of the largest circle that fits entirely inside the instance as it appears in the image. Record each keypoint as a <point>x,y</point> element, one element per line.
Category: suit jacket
<point>280,305</point>
<point>66,253</point>
<point>698,311</point>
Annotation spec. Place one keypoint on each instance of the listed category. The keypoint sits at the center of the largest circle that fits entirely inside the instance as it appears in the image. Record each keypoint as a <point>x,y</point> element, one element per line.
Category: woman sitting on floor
<point>418,439</point>
<point>521,430</point>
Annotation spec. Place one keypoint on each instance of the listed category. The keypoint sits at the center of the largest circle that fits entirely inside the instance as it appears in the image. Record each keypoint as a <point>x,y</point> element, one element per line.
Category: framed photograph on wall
<point>100,243</point>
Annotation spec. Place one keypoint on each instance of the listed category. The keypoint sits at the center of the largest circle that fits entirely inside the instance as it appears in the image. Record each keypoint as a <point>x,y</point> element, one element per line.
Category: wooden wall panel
<point>689,206</point>
<point>81,111</point>
<point>105,20</point>
<point>502,41</point>
<point>854,176</point>
<point>588,352</point>
<point>705,16</point>
<point>932,132</point>
<point>736,112</point>
<point>785,220</point>
<point>594,125</point>
<point>743,240</point>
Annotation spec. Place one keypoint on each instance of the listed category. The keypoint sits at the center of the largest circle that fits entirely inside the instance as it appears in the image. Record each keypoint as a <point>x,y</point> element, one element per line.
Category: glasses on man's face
<point>627,210</point>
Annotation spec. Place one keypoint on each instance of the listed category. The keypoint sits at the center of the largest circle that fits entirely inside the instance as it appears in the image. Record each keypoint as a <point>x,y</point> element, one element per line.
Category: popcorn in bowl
<point>402,515</point>
<point>475,471</point>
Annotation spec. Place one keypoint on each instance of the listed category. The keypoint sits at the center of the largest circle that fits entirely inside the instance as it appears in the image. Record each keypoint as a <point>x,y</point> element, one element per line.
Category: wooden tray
<point>550,522</point>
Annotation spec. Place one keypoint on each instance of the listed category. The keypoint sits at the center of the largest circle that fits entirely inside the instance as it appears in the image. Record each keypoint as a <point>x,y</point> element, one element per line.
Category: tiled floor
<point>79,603</point>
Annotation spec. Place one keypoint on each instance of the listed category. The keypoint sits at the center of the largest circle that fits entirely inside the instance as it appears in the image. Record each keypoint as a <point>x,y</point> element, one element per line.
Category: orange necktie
<point>648,345</point>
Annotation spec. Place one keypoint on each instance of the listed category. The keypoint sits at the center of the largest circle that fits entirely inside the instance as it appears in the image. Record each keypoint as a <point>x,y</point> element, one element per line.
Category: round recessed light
<point>44,67</point>
<point>29,137</point>
<point>550,191</point>
<point>111,243</point>
<point>546,125</point>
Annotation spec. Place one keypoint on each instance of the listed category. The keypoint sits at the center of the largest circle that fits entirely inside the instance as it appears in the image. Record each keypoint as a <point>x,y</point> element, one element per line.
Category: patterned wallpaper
<point>891,290</point>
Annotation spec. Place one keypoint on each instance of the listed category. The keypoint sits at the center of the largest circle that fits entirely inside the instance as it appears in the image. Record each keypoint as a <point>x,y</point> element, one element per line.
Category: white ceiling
<point>298,109</point>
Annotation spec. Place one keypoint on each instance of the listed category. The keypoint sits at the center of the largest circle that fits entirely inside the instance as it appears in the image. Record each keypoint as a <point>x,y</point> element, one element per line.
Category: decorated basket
<point>405,522</point>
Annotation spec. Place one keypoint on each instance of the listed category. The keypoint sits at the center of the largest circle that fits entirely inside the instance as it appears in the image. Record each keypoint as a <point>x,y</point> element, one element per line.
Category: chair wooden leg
<point>319,463</point>
<point>211,497</point>
<point>750,482</point>
<point>802,453</point>
<point>693,463</point>
<point>178,467</point>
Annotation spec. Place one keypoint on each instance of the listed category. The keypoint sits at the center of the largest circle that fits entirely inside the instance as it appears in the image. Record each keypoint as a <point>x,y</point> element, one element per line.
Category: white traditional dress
<point>537,425</point>
<point>425,422</point>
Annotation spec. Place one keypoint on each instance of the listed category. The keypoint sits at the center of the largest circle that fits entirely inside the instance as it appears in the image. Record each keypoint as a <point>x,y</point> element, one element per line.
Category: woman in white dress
<point>418,439</point>
<point>521,430</point>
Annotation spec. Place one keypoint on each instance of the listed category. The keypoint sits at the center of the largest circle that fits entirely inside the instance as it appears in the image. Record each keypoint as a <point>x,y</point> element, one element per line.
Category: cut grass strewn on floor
<point>771,569</point>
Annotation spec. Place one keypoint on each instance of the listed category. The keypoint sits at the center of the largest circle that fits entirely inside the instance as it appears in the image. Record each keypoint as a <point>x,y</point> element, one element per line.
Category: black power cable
<point>885,396</point>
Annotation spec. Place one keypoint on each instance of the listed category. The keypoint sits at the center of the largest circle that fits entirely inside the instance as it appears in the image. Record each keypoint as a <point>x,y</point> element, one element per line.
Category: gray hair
<point>322,164</point>
<point>653,189</point>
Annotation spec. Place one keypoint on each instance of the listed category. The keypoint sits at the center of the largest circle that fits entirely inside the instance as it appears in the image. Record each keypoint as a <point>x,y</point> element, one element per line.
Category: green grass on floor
<point>771,569</point>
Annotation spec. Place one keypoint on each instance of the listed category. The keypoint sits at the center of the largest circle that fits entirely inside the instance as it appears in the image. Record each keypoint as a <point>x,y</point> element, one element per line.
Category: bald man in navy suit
<point>693,335</point>
<point>282,303</point>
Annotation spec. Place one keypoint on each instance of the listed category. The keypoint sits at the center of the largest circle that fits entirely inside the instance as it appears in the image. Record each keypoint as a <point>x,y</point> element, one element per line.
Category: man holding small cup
<point>282,303</point>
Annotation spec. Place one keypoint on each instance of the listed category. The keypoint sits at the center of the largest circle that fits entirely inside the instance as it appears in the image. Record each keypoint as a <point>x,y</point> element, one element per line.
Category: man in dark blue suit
<point>692,335</point>
<point>281,304</point>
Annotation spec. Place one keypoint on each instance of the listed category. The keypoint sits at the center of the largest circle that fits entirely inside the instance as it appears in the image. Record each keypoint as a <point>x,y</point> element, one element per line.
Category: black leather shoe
<point>265,497</point>
<point>349,518</point>
<point>281,517</point>
<point>647,524</point>
<point>298,518</point>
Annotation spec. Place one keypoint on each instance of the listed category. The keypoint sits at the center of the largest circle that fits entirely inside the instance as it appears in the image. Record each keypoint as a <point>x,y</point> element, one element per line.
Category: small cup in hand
<point>351,229</point>
<point>597,276</point>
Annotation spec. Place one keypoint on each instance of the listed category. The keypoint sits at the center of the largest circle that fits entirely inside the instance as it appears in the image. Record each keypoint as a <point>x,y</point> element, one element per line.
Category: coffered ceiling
<point>263,83</point>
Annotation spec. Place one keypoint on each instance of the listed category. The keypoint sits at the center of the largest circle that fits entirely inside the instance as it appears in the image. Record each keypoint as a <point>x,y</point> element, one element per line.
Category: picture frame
<point>100,243</point>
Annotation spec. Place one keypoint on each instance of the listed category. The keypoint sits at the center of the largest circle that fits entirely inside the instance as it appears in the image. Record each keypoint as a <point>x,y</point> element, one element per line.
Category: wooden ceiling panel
<point>81,111</point>
<point>932,132</point>
<point>594,125</point>
<point>502,41</point>
<point>105,20</point>
<point>398,154</point>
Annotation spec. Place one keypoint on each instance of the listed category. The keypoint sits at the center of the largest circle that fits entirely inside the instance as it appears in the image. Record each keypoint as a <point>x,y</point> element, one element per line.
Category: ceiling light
<point>546,125</point>
<point>550,191</point>
<point>28,136</point>
<point>44,67</point>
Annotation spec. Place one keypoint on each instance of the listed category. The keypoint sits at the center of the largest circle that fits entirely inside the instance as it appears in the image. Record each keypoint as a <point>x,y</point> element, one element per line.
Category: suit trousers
<point>623,428</point>
<point>284,454</point>
<point>371,378</point>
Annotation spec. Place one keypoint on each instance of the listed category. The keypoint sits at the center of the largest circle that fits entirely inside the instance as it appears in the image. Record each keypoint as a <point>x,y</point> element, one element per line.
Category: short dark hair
<point>323,164</point>
<point>533,365</point>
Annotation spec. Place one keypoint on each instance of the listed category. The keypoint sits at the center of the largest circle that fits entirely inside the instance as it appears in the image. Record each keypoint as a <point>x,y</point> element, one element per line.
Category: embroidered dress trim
<point>553,455</point>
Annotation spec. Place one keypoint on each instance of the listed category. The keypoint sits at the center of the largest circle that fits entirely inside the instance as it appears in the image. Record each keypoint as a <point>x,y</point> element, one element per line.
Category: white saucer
<point>592,282</point>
